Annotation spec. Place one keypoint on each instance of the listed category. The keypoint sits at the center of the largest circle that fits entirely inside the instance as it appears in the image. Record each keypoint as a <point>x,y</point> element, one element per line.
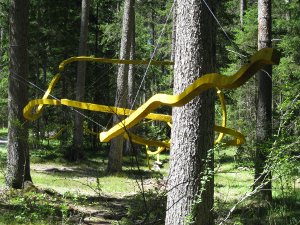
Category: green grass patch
<point>3,132</point>
<point>78,188</point>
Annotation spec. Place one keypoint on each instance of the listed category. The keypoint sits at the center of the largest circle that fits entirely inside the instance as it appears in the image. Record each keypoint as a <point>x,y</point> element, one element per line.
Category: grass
<point>232,182</point>
<point>71,192</point>
<point>3,131</point>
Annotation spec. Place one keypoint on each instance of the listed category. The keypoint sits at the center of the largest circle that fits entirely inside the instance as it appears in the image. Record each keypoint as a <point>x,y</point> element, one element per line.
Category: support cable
<point>28,83</point>
<point>153,53</point>
<point>224,32</point>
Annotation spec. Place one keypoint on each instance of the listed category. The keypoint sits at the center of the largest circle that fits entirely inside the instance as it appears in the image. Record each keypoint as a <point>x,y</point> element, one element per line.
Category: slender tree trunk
<point>81,74</point>
<point>131,67</point>
<point>131,77</point>
<point>1,45</point>
<point>95,139</point>
<point>243,7</point>
<point>174,33</point>
<point>116,148</point>
<point>264,103</point>
<point>18,167</point>
<point>192,132</point>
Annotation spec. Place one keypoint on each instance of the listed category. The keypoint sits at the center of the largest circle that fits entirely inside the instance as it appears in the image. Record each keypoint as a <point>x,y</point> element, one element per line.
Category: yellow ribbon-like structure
<point>267,56</point>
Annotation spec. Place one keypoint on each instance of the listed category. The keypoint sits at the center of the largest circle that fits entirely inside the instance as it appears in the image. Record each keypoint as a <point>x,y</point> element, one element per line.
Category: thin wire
<point>225,33</point>
<point>25,81</point>
<point>235,45</point>
<point>237,53</point>
<point>153,53</point>
<point>20,78</point>
<point>218,22</point>
<point>266,72</point>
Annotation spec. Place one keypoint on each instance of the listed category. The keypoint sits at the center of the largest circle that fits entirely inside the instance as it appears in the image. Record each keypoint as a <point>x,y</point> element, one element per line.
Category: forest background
<point>54,29</point>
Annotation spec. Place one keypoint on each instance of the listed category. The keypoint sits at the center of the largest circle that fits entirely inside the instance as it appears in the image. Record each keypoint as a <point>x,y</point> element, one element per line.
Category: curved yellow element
<point>29,115</point>
<point>224,114</point>
<point>56,135</point>
<point>113,61</point>
<point>139,140</point>
<point>162,145</point>
<point>35,114</point>
<point>266,56</point>
<point>120,111</point>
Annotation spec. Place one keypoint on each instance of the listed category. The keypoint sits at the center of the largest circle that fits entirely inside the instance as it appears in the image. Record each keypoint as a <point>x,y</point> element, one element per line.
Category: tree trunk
<point>174,33</point>
<point>192,132</point>
<point>116,148</point>
<point>243,7</point>
<point>81,74</point>
<point>18,167</point>
<point>131,78</point>
<point>264,103</point>
<point>1,46</point>
<point>131,67</point>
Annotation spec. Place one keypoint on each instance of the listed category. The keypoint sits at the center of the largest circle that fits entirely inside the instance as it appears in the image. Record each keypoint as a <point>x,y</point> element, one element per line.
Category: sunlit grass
<point>231,182</point>
<point>3,131</point>
<point>85,184</point>
<point>88,178</point>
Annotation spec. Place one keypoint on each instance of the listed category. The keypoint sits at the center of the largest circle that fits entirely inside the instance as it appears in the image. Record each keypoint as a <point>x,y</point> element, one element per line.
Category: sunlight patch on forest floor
<point>83,192</point>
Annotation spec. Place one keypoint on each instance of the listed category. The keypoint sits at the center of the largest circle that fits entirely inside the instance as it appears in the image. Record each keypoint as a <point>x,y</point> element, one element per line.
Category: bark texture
<point>116,148</point>
<point>192,132</point>
<point>131,79</point>
<point>81,75</point>
<point>264,101</point>
<point>18,167</point>
<point>131,56</point>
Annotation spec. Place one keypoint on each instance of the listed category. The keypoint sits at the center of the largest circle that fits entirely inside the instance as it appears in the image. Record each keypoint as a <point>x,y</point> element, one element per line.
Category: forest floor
<point>81,193</point>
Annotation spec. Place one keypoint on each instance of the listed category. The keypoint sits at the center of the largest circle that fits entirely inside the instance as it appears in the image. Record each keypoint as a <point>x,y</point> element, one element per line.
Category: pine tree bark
<point>192,131</point>
<point>264,103</point>
<point>116,147</point>
<point>131,79</point>
<point>18,165</point>
<point>81,74</point>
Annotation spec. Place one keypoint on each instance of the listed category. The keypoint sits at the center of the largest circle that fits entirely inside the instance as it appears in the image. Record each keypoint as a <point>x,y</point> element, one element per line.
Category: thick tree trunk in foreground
<point>192,132</point>
<point>264,103</point>
<point>18,167</point>
<point>81,74</point>
<point>116,148</point>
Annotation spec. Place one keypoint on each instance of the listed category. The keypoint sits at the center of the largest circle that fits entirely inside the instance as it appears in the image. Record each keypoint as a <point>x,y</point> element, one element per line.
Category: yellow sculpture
<point>267,56</point>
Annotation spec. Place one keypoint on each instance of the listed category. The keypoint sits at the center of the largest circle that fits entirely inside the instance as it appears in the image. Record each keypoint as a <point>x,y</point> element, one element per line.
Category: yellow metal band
<point>266,56</point>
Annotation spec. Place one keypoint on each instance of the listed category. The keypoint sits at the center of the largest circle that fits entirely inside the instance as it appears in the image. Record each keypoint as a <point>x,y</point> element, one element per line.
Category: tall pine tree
<point>18,167</point>
<point>192,131</point>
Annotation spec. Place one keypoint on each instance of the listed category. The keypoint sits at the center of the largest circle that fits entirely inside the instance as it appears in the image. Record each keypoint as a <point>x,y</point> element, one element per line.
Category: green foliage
<point>3,100</point>
<point>146,208</point>
<point>3,61</point>
<point>33,207</point>
<point>206,175</point>
<point>246,38</point>
<point>53,36</point>
<point>286,95</point>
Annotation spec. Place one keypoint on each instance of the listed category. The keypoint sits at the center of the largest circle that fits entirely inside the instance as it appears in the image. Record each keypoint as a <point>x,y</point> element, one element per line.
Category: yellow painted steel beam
<point>35,114</point>
<point>112,61</point>
<point>120,111</point>
<point>29,114</point>
<point>266,56</point>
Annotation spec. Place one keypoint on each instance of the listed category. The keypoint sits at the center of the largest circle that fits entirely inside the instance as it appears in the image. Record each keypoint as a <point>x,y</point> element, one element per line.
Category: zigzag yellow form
<point>266,56</point>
